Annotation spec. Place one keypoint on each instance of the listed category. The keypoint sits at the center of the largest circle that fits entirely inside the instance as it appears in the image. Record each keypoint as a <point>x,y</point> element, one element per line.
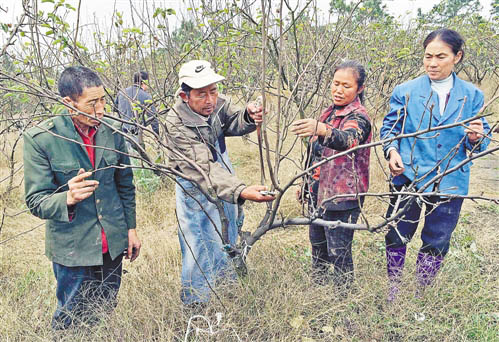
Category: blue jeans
<point>83,290</point>
<point>203,259</point>
<point>440,219</point>
<point>204,262</point>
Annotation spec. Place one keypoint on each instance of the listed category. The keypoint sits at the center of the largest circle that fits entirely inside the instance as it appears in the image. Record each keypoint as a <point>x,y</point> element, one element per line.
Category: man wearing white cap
<point>197,127</point>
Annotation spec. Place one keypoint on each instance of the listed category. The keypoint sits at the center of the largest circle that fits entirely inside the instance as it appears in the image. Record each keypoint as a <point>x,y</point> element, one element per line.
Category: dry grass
<point>277,301</point>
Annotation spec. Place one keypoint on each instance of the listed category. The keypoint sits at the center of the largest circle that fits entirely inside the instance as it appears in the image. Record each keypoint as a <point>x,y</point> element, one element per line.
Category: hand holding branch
<point>255,112</point>
<point>474,130</point>
<point>308,128</point>
<point>79,188</point>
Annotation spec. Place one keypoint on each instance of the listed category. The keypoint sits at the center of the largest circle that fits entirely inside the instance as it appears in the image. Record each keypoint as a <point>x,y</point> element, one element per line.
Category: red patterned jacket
<point>348,174</point>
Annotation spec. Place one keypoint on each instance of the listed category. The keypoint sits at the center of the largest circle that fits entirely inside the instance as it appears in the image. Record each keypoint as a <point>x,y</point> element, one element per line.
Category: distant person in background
<point>197,126</point>
<point>135,105</point>
<point>438,98</point>
<point>75,180</point>
<point>342,126</point>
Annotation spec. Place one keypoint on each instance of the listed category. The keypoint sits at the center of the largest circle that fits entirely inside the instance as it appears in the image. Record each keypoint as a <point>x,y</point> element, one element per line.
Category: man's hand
<point>474,130</point>
<point>252,193</point>
<point>255,112</point>
<point>395,163</point>
<point>133,245</point>
<point>79,188</point>
<point>308,128</point>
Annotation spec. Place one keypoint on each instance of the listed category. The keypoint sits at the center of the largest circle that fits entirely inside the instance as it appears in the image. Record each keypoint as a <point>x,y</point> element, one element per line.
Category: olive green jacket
<point>190,135</point>
<point>53,154</point>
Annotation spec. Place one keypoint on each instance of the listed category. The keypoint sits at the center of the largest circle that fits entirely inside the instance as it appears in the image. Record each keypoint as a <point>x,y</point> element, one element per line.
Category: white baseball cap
<point>198,74</point>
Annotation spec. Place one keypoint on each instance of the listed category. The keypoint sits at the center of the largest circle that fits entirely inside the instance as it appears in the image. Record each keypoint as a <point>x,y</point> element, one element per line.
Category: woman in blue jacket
<point>435,99</point>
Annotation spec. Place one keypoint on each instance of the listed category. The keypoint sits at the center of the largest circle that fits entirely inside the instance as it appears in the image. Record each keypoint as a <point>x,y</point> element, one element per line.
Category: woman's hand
<point>308,128</point>
<point>474,130</point>
<point>395,163</point>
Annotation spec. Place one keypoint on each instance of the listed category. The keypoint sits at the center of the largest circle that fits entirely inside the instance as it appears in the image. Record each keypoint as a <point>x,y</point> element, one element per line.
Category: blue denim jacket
<point>421,154</point>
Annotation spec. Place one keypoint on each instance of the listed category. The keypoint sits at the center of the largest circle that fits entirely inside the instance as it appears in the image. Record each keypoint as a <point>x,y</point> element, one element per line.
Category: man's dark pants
<point>83,291</point>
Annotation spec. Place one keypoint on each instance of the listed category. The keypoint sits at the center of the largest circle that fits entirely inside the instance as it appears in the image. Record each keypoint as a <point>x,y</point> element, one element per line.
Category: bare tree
<point>281,52</point>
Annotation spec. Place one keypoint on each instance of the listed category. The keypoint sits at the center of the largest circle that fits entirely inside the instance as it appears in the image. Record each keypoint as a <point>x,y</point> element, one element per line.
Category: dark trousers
<point>82,291</point>
<point>440,219</point>
<point>334,246</point>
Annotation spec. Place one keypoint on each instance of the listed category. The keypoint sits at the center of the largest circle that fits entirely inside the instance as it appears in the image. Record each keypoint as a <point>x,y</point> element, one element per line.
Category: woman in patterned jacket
<point>342,126</point>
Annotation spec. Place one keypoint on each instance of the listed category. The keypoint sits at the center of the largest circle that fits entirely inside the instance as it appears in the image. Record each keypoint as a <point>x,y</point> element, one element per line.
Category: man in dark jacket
<point>75,179</point>
<point>135,105</point>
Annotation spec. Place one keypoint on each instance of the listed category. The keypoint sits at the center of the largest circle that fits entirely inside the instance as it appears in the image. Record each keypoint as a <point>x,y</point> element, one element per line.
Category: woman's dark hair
<point>359,72</point>
<point>449,37</point>
<point>139,77</point>
<point>75,79</point>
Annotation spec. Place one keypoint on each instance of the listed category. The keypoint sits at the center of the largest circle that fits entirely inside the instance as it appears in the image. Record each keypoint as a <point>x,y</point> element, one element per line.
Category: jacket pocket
<point>60,238</point>
<point>109,167</point>
<point>64,170</point>
<point>466,167</point>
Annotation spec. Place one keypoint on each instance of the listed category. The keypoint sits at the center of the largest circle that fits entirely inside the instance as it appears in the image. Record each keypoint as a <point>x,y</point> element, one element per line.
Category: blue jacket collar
<point>428,97</point>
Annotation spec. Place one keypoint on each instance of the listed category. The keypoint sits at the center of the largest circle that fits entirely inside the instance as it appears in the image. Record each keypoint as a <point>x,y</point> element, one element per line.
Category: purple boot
<point>395,259</point>
<point>427,266</point>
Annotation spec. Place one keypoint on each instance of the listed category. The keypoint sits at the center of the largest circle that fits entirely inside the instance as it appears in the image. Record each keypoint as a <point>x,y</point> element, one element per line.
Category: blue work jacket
<point>432,153</point>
